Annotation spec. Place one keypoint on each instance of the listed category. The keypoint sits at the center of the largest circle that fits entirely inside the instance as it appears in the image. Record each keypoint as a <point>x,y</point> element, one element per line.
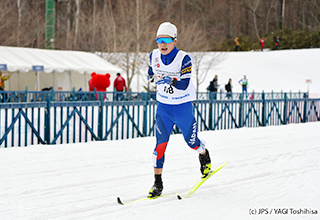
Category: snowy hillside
<point>285,70</point>
<point>270,168</point>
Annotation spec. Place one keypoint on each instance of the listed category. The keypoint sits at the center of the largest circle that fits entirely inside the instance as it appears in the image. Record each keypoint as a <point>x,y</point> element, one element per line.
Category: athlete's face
<point>166,48</point>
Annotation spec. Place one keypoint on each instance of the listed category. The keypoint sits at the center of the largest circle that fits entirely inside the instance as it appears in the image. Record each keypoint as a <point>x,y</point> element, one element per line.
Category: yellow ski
<point>191,191</point>
<point>200,182</point>
<point>145,198</point>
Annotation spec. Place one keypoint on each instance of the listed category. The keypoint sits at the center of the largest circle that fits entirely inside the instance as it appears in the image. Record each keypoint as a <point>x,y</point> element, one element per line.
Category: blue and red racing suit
<point>175,107</point>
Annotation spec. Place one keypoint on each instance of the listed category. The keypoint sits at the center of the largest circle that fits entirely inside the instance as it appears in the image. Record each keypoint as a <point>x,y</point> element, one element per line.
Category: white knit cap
<point>166,28</point>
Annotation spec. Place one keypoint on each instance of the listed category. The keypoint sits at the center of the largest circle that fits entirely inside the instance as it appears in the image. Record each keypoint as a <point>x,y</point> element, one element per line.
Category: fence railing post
<point>100,122</point>
<point>145,116</point>
<point>285,108</point>
<point>26,96</point>
<point>73,94</point>
<point>264,121</point>
<point>305,107</point>
<point>241,110</point>
<point>47,119</point>
<point>210,114</point>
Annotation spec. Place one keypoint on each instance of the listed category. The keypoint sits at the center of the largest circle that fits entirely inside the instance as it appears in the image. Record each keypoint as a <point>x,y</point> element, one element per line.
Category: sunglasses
<point>164,40</point>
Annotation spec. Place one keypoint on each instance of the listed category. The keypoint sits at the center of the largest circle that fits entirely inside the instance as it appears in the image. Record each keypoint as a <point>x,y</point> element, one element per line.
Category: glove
<point>164,80</point>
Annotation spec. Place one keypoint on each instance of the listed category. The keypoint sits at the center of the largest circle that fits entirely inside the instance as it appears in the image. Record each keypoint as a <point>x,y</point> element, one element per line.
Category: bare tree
<point>253,6</point>
<point>315,14</point>
<point>130,26</point>
<point>94,13</point>
<point>283,4</point>
<point>203,62</point>
<point>77,17</point>
<point>7,29</point>
<point>114,28</point>
<point>270,8</point>
<point>68,25</point>
<point>19,6</point>
<point>130,59</point>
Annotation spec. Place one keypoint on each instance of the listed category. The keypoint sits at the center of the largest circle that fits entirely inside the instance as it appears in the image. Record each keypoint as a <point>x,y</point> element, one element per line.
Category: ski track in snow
<point>269,167</point>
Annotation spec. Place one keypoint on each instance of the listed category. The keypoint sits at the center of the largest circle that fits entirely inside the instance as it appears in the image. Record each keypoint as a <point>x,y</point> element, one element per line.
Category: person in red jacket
<point>119,85</point>
<point>262,43</point>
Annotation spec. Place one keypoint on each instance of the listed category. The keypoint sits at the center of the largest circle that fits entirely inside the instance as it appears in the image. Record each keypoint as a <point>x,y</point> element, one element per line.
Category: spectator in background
<point>262,43</point>
<point>3,96</point>
<point>236,44</point>
<point>228,88</point>
<point>2,79</point>
<point>119,85</point>
<point>244,83</point>
<point>277,42</point>
<point>213,86</point>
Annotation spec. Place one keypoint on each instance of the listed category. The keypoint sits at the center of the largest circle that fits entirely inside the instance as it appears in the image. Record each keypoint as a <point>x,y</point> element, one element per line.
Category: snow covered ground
<point>282,70</point>
<point>270,168</point>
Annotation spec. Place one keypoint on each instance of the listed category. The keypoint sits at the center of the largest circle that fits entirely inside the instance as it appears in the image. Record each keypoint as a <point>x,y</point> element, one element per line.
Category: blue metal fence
<point>28,118</point>
<point>62,96</point>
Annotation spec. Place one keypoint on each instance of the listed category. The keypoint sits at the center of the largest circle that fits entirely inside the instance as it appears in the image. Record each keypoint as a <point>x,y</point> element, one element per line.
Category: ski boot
<point>205,163</point>
<point>155,191</point>
<point>157,188</point>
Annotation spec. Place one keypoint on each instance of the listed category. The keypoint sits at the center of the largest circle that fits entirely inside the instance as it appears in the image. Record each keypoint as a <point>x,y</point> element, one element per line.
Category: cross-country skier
<point>170,69</point>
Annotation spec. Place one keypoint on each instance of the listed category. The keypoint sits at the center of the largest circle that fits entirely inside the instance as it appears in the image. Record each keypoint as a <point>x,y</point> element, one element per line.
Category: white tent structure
<point>63,70</point>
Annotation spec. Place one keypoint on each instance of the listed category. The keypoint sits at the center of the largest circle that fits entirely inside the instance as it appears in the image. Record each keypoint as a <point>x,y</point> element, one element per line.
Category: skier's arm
<point>182,84</point>
<point>185,74</point>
